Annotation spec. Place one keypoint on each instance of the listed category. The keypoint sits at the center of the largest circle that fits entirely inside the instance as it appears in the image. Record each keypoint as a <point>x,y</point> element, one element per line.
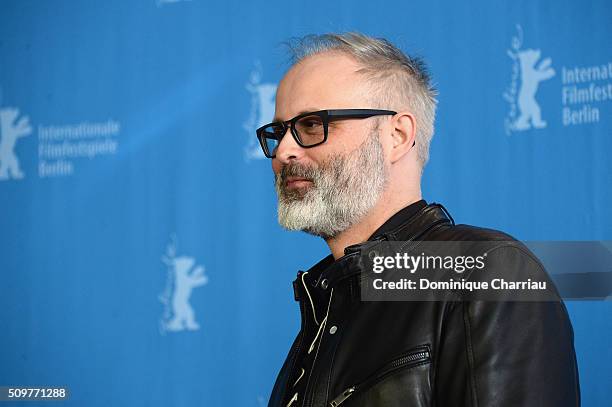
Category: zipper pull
<point>341,398</point>
<point>294,398</point>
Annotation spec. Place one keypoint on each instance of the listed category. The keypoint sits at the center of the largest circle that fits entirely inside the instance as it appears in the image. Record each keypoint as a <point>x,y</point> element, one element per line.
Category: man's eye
<point>312,123</point>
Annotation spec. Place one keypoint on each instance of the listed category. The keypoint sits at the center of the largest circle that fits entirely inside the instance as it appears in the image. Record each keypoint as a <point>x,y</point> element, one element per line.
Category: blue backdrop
<point>140,259</point>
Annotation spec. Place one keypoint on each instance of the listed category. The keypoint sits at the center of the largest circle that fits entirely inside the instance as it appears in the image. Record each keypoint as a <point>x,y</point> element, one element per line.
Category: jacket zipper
<point>294,354</point>
<point>411,359</point>
<point>308,401</point>
<point>297,349</point>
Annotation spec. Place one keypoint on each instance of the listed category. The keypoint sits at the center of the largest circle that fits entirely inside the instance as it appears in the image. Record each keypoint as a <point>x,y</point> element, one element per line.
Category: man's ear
<point>403,128</point>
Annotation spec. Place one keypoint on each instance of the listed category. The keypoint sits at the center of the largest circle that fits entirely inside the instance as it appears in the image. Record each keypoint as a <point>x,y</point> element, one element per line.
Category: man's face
<point>325,189</point>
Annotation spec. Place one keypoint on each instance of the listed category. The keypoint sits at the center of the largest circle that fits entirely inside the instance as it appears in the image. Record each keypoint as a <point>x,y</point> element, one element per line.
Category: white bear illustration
<point>531,76</point>
<point>184,278</point>
<point>10,131</point>
<point>263,97</point>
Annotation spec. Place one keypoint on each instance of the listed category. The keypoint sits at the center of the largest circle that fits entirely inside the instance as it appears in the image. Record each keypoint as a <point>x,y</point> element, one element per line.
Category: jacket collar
<point>399,218</point>
<point>408,224</point>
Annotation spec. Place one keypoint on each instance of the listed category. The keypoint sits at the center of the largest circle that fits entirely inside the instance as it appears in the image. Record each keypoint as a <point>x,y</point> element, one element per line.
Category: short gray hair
<point>404,80</point>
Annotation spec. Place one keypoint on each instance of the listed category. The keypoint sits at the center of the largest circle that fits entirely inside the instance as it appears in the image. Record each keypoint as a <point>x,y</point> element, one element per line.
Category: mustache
<point>298,170</point>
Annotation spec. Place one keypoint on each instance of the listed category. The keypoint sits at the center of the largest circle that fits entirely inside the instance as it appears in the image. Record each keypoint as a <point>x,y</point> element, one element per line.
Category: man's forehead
<point>324,81</point>
<point>325,61</point>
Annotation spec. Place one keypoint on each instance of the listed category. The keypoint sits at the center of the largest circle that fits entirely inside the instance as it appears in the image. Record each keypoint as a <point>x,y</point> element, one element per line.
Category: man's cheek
<point>276,166</point>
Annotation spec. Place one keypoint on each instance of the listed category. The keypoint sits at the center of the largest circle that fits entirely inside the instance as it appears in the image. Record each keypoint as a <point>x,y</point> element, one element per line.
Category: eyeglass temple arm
<point>359,113</point>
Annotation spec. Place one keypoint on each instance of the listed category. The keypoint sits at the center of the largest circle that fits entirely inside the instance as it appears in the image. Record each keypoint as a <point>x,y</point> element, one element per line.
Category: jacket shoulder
<point>463,232</point>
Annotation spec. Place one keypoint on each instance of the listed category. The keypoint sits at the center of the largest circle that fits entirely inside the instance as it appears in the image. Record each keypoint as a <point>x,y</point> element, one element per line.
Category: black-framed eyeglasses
<point>309,129</point>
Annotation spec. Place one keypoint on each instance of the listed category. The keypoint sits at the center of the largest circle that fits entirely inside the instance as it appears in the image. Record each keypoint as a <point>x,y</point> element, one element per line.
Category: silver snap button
<point>333,329</point>
<point>324,284</point>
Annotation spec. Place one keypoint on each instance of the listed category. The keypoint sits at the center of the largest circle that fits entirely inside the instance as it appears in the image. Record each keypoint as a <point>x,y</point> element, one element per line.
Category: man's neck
<point>361,231</point>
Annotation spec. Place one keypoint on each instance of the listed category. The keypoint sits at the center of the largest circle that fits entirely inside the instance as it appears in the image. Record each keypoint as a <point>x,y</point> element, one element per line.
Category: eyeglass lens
<point>310,131</point>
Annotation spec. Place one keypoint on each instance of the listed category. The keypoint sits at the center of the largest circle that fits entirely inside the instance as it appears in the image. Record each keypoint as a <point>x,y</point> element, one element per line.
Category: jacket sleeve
<point>507,352</point>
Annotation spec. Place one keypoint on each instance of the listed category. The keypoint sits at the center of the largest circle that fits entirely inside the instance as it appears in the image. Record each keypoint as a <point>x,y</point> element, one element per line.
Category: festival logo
<point>61,147</point>
<point>528,70</point>
<point>183,276</point>
<point>12,128</point>
<point>262,110</point>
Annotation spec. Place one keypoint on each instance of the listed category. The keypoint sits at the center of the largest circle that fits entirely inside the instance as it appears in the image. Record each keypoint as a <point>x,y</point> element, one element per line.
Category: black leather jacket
<point>437,353</point>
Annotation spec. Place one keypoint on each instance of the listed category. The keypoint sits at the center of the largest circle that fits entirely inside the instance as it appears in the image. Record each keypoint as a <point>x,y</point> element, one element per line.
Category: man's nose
<point>288,149</point>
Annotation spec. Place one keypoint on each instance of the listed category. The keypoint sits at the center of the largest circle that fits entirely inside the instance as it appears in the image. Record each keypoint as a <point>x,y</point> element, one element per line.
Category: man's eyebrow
<point>276,119</point>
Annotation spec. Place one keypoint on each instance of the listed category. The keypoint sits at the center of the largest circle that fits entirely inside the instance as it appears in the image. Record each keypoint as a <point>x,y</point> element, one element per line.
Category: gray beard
<point>344,189</point>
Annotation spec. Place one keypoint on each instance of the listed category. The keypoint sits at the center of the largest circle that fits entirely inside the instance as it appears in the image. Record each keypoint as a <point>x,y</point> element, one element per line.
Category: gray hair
<point>403,80</point>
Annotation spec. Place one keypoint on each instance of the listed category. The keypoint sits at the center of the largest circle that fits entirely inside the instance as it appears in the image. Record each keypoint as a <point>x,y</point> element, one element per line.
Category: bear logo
<point>263,97</point>
<point>531,76</point>
<point>11,130</point>
<point>183,277</point>
<point>532,71</point>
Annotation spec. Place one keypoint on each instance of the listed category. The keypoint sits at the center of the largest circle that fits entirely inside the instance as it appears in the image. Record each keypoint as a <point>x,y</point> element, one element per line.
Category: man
<point>354,119</point>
